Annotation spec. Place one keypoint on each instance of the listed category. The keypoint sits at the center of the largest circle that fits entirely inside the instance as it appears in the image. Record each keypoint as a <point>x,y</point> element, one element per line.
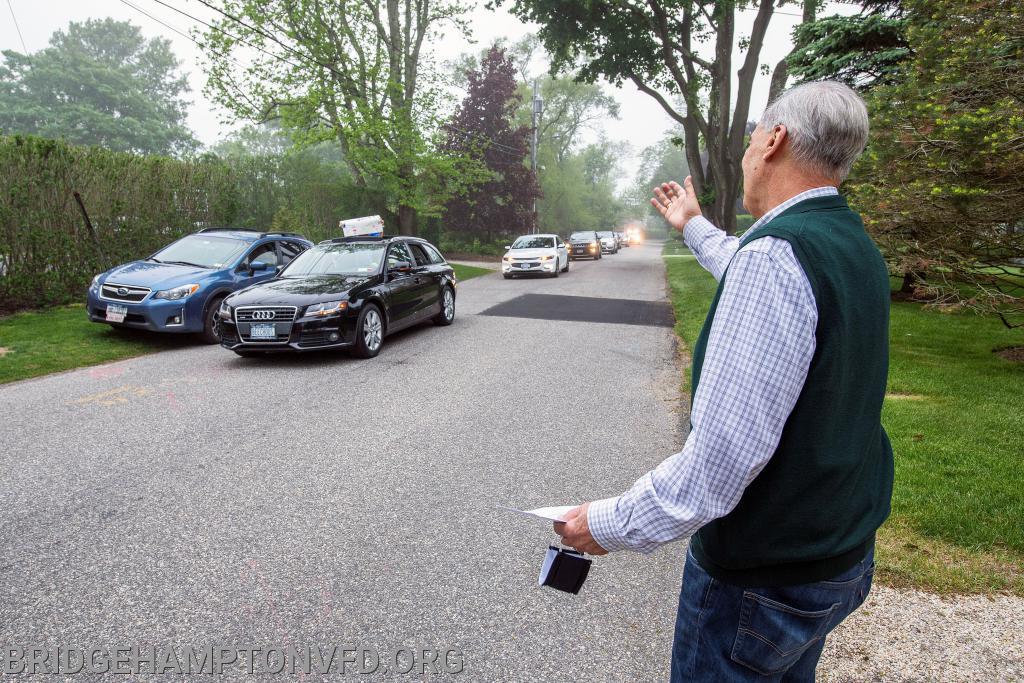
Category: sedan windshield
<point>337,259</point>
<point>533,243</point>
<point>582,236</point>
<point>606,233</point>
<point>202,250</point>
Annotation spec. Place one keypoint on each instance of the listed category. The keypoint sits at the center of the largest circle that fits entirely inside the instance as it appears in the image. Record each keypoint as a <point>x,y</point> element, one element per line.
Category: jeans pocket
<point>772,635</point>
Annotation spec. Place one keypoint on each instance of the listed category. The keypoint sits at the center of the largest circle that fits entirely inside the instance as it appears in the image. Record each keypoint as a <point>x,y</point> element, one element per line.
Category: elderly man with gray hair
<point>787,472</point>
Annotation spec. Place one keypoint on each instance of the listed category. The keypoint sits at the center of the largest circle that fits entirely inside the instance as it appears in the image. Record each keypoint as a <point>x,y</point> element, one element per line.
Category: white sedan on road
<point>545,254</point>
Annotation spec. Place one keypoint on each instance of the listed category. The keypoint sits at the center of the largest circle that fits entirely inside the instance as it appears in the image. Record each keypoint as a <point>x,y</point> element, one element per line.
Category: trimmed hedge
<point>137,204</point>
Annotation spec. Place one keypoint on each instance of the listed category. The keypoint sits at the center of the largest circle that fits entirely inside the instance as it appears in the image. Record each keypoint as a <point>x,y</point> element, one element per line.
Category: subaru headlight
<point>225,311</point>
<point>95,283</point>
<point>177,293</point>
<point>326,308</point>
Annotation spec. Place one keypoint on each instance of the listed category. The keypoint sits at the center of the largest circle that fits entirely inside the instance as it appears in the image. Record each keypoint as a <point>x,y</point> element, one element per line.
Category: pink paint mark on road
<point>173,402</point>
<point>106,371</point>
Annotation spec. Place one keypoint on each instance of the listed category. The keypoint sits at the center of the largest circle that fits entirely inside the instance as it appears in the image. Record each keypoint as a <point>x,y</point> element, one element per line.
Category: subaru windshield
<point>337,259</point>
<point>533,243</point>
<point>203,251</point>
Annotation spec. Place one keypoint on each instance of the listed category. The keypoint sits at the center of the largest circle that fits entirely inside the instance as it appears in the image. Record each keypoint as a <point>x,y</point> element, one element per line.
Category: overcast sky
<point>642,121</point>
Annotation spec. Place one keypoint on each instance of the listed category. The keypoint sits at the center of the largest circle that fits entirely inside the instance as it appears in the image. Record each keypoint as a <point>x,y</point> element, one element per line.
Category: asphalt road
<point>195,497</point>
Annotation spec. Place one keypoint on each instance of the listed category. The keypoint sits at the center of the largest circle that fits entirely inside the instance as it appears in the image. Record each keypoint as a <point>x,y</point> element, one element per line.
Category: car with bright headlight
<point>609,243</point>
<point>179,288</point>
<point>347,293</point>
<point>535,254</point>
<point>584,244</point>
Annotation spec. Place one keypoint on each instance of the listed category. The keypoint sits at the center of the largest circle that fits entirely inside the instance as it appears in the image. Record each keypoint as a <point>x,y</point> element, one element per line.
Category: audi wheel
<point>447,314</point>
<point>369,332</point>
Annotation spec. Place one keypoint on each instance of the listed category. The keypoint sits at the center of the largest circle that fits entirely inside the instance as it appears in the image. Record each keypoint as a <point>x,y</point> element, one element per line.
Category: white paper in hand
<point>553,513</point>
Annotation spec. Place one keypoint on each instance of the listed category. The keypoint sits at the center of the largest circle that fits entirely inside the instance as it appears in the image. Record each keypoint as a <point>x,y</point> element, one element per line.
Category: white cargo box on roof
<point>367,226</point>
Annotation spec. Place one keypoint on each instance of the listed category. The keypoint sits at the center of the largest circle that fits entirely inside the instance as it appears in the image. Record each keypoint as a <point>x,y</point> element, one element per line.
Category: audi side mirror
<point>400,267</point>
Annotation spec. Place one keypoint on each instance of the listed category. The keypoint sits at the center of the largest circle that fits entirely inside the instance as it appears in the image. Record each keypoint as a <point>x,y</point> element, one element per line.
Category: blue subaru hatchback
<point>180,287</point>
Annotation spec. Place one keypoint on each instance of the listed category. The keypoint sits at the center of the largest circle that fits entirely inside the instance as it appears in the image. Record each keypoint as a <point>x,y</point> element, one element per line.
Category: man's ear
<point>777,139</point>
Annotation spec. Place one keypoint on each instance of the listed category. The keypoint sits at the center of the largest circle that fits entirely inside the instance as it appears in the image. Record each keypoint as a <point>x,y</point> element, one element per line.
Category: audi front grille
<point>265,314</point>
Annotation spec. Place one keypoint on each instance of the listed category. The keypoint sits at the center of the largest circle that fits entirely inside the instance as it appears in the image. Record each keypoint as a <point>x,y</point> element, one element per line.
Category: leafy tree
<point>356,71</point>
<point>942,183</point>
<point>579,190</point>
<point>656,46</point>
<point>482,129</point>
<point>658,162</point>
<point>863,50</point>
<point>98,83</point>
<point>281,186</point>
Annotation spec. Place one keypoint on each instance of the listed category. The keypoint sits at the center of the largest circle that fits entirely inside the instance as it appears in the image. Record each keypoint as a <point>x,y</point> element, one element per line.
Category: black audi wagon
<point>346,293</point>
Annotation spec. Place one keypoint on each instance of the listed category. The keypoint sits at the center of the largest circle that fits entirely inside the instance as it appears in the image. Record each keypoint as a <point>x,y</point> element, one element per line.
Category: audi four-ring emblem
<point>263,315</point>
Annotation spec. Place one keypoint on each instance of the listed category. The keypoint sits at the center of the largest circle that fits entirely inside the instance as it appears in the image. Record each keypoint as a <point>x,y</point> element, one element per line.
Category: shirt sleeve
<point>713,248</point>
<point>760,346</point>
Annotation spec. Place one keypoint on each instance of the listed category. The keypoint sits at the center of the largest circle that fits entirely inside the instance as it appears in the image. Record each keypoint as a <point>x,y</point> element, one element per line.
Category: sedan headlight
<point>326,308</point>
<point>506,257</point>
<point>95,282</point>
<point>177,293</point>
<point>546,258</point>
<point>225,311</point>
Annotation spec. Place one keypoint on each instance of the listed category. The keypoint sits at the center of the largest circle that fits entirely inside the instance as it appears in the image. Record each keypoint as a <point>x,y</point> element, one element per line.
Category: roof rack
<point>261,234</point>
<point>358,238</point>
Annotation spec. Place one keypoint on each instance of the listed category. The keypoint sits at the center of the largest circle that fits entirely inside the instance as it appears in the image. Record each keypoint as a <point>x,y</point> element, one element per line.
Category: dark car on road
<point>346,293</point>
<point>584,244</point>
<point>179,288</point>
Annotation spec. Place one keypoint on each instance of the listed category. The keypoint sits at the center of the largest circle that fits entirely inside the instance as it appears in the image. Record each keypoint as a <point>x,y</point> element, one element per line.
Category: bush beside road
<point>953,414</point>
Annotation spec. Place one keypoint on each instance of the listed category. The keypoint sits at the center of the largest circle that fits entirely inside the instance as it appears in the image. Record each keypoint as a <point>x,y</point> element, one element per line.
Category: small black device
<point>564,569</point>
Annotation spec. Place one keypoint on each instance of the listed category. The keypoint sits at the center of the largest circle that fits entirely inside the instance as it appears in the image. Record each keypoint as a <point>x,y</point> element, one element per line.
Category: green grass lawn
<point>955,415</point>
<point>62,338</point>
<point>468,272</point>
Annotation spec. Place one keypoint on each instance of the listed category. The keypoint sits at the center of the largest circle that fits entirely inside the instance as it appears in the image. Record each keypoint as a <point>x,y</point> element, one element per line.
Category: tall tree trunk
<point>781,73</point>
<point>408,220</point>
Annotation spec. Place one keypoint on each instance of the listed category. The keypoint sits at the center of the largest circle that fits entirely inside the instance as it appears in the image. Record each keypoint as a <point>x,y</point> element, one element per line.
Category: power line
<point>20,37</point>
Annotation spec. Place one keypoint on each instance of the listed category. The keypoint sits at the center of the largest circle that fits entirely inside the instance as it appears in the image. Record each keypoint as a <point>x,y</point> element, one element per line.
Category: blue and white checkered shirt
<point>760,346</point>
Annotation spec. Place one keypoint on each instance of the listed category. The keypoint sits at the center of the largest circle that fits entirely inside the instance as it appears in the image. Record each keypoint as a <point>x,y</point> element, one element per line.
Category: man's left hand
<point>575,531</point>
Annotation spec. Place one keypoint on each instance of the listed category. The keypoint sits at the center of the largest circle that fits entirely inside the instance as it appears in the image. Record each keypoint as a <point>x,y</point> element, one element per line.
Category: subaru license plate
<point>263,331</point>
<point>115,313</point>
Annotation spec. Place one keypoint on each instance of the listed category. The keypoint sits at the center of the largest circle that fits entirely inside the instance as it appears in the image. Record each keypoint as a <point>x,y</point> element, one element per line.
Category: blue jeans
<point>725,633</point>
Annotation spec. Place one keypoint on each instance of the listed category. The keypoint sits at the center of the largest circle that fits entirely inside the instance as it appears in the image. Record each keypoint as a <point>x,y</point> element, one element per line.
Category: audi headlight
<point>326,308</point>
<point>177,293</point>
<point>224,311</point>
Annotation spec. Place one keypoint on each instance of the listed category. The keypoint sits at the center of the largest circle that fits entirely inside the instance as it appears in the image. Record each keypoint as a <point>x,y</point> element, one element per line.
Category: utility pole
<point>538,109</point>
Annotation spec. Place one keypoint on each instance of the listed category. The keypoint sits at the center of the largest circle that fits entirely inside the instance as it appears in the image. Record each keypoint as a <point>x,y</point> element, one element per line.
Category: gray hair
<point>826,122</point>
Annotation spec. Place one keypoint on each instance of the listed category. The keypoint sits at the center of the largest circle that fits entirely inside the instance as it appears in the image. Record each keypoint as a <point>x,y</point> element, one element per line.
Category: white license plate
<point>524,265</point>
<point>115,313</point>
<point>263,331</point>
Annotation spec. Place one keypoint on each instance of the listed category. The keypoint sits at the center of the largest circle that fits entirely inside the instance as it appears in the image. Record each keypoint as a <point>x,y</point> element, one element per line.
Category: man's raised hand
<point>678,204</point>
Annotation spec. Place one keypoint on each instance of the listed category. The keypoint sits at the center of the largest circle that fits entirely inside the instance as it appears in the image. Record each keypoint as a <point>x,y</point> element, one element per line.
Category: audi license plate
<point>115,313</point>
<point>263,331</point>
